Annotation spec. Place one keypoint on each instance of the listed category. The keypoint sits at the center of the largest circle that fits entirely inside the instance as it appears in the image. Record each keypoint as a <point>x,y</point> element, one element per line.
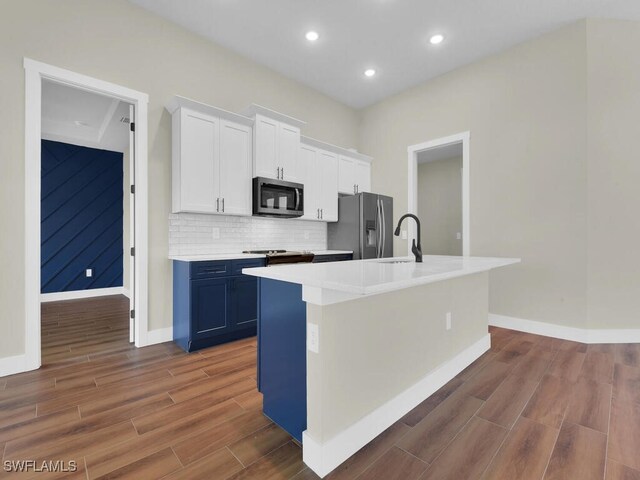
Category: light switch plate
<point>448,320</point>
<point>313,338</point>
<point>404,234</point>
<point>89,272</point>
<point>215,233</point>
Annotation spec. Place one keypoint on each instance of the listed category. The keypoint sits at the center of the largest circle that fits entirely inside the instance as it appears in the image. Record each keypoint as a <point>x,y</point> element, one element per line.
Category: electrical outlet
<point>404,234</point>
<point>215,233</point>
<point>313,338</point>
<point>89,272</point>
<point>306,235</point>
<point>448,320</point>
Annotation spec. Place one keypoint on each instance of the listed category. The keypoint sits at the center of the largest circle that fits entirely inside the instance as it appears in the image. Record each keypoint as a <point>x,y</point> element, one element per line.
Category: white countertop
<point>240,256</point>
<point>369,277</point>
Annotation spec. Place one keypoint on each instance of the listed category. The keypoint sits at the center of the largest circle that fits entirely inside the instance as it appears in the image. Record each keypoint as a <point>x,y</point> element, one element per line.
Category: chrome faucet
<point>416,249</point>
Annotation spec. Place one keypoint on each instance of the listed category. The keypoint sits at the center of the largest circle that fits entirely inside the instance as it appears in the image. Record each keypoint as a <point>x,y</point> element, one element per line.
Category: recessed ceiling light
<point>436,39</point>
<point>312,36</point>
<point>370,72</point>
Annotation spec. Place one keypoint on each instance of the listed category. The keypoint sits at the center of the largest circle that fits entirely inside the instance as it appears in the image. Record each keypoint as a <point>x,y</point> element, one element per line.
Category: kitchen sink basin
<point>396,261</point>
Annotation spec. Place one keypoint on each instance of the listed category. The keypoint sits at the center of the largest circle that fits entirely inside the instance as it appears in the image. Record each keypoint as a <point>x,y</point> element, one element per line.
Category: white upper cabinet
<point>212,155</point>
<point>288,150</point>
<point>319,172</point>
<point>347,175</point>
<point>235,168</point>
<point>354,174</point>
<point>312,187</point>
<point>266,133</point>
<point>328,173</point>
<point>363,176</point>
<point>196,141</point>
<point>276,142</point>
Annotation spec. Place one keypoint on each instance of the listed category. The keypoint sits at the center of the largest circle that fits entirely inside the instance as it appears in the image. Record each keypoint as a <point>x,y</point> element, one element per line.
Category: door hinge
<point>132,126</point>
<point>133,251</point>
<point>133,189</point>
<point>133,314</point>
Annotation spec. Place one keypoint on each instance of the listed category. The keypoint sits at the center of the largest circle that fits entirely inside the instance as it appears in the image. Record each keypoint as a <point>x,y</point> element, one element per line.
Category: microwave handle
<point>297,199</point>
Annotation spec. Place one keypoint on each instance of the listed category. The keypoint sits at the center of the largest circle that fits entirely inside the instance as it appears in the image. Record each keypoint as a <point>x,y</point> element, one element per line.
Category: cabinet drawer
<point>238,265</point>
<point>210,269</point>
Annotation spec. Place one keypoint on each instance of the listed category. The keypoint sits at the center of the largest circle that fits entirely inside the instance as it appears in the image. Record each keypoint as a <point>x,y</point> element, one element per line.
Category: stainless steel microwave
<point>277,198</point>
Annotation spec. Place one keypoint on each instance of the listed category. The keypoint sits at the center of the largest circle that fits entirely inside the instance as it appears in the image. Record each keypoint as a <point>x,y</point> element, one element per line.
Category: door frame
<point>35,72</point>
<point>412,203</point>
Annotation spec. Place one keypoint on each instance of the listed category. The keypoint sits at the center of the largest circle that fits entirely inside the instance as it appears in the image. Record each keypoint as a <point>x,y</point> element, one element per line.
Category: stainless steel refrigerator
<point>365,225</point>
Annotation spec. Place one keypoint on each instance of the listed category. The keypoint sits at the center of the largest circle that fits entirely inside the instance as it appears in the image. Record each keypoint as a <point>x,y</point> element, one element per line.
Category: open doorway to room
<point>86,220</point>
<point>439,194</point>
<point>440,199</point>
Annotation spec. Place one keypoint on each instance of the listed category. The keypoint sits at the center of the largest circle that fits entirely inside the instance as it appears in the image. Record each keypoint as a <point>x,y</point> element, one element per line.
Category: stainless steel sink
<point>396,261</point>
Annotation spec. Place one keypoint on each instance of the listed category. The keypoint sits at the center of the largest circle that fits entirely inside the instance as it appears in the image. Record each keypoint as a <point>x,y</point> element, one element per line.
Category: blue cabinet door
<point>209,307</point>
<point>244,295</point>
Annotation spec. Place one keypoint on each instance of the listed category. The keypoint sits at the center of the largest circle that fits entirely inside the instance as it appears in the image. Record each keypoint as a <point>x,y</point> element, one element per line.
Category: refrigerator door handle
<point>378,229</point>
<point>384,229</point>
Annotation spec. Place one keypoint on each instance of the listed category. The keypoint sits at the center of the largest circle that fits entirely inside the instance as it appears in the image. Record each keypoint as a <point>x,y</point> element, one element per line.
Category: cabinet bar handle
<point>282,173</point>
<point>322,213</point>
<point>217,204</point>
<point>223,205</point>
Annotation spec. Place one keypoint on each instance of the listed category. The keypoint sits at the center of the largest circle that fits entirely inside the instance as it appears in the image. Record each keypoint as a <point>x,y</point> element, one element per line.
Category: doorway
<point>439,194</point>
<point>39,77</point>
<point>86,207</point>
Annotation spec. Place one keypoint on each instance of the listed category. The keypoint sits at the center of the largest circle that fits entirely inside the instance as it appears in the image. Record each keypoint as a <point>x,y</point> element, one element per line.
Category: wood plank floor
<point>531,408</point>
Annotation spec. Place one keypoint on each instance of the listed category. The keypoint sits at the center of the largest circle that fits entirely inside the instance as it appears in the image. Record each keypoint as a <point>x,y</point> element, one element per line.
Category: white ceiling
<point>79,117</point>
<point>390,36</point>
<point>440,153</point>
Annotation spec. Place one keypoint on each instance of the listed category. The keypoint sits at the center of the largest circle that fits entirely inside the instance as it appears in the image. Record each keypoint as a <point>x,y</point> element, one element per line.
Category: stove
<point>281,257</point>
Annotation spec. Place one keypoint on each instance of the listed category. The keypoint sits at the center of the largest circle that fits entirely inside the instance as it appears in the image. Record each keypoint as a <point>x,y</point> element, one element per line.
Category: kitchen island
<point>346,349</point>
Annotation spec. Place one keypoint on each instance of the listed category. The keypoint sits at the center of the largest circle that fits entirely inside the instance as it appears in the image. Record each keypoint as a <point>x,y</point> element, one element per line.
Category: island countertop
<point>374,276</point>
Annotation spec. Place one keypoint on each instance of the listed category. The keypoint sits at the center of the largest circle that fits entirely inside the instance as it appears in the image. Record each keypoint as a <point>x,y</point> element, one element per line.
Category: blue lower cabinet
<point>282,355</point>
<point>213,302</point>
<point>210,307</point>
<point>245,301</point>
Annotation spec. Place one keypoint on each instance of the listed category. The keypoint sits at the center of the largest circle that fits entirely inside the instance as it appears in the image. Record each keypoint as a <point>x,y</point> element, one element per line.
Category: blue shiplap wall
<point>82,217</point>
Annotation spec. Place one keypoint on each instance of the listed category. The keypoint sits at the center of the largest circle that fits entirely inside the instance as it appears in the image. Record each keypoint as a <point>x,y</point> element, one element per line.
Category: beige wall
<point>613,129</point>
<point>120,43</point>
<point>526,110</point>
<point>440,206</point>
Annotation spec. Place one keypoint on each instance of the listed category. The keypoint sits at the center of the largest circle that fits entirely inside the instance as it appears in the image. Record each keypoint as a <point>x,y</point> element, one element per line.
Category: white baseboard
<point>16,364</point>
<point>160,335</point>
<point>77,294</point>
<point>322,458</point>
<point>582,335</point>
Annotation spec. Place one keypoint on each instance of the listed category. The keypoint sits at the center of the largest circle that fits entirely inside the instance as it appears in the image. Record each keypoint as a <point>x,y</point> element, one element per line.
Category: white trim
<point>11,365</point>
<point>126,292</point>
<point>412,205</point>
<point>582,335</point>
<point>323,458</point>
<point>34,73</point>
<point>160,335</point>
<point>77,294</point>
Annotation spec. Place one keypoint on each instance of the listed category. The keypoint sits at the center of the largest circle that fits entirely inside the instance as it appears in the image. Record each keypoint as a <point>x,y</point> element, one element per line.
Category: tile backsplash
<point>193,234</point>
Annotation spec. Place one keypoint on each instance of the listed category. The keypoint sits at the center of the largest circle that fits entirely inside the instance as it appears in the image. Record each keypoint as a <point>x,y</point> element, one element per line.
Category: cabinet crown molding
<point>255,109</point>
<point>312,142</point>
<point>182,102</point>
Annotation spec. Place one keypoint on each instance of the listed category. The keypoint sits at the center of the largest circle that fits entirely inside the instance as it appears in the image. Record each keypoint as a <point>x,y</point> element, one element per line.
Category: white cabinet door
<point>235,168</point>
<point>346,175</point>
<point>198,169</point>
<point>363,176</point>
<point>288,151</point>
<point>308,168</point>
<point>328,173</point>
<point>266,135</point>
